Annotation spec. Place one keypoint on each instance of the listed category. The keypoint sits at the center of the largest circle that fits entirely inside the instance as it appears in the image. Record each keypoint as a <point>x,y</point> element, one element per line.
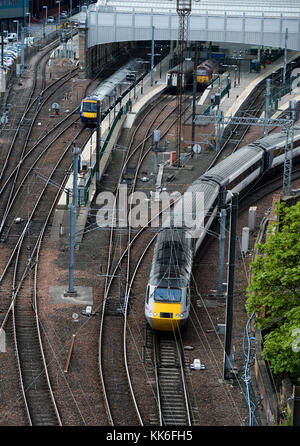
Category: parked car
<point>51,19</point>
<point>35,20</point>
<point>64,15</point>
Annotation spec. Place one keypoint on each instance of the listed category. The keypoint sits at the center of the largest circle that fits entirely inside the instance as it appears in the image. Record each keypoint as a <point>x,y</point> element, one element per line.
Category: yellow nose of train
<point>166,316</point>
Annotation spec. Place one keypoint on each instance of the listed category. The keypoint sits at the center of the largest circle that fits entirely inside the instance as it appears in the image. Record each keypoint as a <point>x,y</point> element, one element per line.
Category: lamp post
<point>152,55</point>
<point>29,15</point>
<point>46,18</point>
<point>58,22</point>
<point>17,22</point>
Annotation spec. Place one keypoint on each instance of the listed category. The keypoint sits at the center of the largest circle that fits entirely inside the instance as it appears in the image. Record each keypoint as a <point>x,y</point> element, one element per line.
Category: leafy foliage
<point>282,345</point>
<point>274,292</point>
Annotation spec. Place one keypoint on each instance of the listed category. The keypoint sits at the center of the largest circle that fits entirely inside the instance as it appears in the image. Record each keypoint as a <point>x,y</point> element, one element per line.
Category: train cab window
<point>167,295</point>
<point>201,72</point>
<point>147,295</point>
<point>90,107</point>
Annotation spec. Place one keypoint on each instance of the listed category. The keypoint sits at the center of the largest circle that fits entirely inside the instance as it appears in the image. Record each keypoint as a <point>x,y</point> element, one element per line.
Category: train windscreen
<point>89,107</point>
<point>167,295</point>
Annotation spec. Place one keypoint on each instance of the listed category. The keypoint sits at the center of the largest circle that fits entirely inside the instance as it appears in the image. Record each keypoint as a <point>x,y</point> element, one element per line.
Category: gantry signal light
<point>183,6</point>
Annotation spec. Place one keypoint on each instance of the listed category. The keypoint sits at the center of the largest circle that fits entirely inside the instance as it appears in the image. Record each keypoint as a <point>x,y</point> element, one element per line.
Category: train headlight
<point>150,313</point>
<point>155,314</point>
<point>182,315</point>
<point>177,315</point>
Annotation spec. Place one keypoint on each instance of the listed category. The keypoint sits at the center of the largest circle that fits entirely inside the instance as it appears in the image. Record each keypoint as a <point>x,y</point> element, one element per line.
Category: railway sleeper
<point>178,421</point>
<point>168,363</point>
<point>172,383</point>
<point>166,370</point>
<point>175,412</point>
<point>170,377</point>
<point>179,413</point>
<point>168,395</point>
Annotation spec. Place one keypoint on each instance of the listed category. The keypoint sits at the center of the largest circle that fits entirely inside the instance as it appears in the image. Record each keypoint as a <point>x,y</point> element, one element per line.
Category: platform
<point>245,85</point>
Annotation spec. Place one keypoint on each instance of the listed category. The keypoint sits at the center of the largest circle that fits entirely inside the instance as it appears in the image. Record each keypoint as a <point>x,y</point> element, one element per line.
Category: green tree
<point>282,345</point>
<point>274,292</point>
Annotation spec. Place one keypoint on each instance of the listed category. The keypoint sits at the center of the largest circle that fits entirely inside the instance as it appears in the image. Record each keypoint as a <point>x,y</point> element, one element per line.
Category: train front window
<point>90,107</point>
<point>167,295</point>
<point>201,72</point>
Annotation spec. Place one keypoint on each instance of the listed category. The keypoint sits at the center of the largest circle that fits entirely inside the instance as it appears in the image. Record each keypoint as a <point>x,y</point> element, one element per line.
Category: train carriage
<point>236,173</point>
<point>110,92</point>
<point>205,72</point>
<point>168,294</point>
<point>187,79</point>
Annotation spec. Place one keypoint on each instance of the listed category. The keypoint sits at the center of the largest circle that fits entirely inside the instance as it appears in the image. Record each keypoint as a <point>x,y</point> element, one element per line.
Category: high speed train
<point>111,91</point>
<point>167,303</point>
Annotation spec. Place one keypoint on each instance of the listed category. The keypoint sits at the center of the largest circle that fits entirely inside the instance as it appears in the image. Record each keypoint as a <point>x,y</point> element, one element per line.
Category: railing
<point>210,108</point>
<point>278,92</point>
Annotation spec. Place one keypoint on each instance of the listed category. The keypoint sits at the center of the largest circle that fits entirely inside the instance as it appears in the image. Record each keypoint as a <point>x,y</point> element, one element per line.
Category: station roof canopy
<point>259,22</point>
<point>271,8</point>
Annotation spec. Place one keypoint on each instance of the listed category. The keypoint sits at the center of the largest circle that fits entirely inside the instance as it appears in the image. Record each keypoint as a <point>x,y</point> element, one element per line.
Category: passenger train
<point>167,303</point>
<point>111,91</point>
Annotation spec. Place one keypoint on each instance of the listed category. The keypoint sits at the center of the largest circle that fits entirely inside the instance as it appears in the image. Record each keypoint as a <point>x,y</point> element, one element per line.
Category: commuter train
<point>167,302</point>
<point>110,92</point>
<point>205,72</point>
<point>187,78</point>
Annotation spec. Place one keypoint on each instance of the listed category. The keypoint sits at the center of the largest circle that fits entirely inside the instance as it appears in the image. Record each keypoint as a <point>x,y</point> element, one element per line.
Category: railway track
<point>32,179</point>
<point>184,416</point>
<point>22,116</point>
<point>35,168</point>
<point>117,304</point>
<point>17,293</point>
<point>171,388</point>
<point>236,133</point>
<point>115,387</point>
<point>28,157</point>
<point>38,396</point>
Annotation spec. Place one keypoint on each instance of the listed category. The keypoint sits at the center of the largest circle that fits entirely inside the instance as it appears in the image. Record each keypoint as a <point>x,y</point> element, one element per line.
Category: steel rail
<point>16,287</point>
<point>28,106</point>
<point>109,282</point>
<point>12,198</point>
<point>108,286</point>
<point>15,172</point>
